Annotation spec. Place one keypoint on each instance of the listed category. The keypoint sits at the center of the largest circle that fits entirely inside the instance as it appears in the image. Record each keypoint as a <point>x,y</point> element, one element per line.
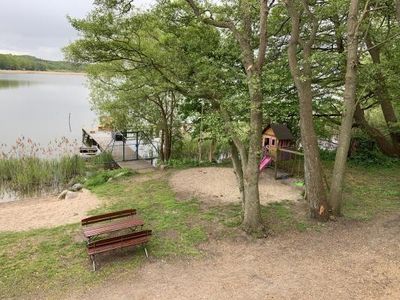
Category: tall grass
<point>28,168</point>
<point>29,175</point>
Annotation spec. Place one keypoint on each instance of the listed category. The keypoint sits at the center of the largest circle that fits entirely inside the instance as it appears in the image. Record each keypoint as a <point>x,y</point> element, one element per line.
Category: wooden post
<point>137,145</point>
<point>276,163</point>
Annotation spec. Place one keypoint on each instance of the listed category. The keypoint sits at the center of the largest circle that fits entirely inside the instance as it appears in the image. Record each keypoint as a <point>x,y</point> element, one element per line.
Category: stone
<point>71,195</point>
<point>62,195</point>
<point>76,187</point>
<point>162,167</point>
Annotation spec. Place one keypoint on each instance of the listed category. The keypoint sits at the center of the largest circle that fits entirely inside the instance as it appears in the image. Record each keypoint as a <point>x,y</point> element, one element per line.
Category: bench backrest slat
<point>118,245</point>
<point>108,216</point>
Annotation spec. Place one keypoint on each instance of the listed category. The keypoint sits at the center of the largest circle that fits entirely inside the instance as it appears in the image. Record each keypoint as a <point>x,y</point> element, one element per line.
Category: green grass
<point>371,191</point>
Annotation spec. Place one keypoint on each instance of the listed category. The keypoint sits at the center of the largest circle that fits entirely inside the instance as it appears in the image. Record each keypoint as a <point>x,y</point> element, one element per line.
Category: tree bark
<point>383,95</point>
<point>162,157</point>
<point>167,144</point>
<point>252,221</point>
<point>211,153</point>
<point>313,173</point>
<point>398,10</point>
<point>382,142</point>
<point>349,102</point>
<point>237,167</point>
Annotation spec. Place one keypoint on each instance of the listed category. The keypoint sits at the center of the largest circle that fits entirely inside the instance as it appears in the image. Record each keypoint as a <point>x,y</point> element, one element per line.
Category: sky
<point>40,27</point>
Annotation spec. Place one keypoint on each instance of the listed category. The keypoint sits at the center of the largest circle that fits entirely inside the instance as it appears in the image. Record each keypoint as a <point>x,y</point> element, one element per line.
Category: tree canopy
<point>230,68</point>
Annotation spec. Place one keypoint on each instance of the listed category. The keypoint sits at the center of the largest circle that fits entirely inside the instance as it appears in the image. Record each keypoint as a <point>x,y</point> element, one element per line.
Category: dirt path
<point>344,261</point>
<point>219,185</point>
<point>45,212</point>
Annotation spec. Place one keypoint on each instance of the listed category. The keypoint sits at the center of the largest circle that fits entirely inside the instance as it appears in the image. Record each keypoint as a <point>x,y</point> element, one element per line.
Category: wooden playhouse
<point>274,137</point>
<point>278,143</point>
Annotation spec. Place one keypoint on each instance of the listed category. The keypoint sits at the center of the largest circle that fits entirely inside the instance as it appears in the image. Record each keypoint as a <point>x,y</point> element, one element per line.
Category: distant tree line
<point>31,63</point>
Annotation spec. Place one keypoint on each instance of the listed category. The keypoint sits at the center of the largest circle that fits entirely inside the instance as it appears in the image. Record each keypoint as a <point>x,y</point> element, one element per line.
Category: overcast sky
<point>40,27</point>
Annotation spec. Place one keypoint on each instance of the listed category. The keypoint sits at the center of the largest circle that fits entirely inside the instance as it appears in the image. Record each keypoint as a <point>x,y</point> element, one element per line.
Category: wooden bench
<point>131,222</point>
<point>126,240</point>
<point>108,217</point>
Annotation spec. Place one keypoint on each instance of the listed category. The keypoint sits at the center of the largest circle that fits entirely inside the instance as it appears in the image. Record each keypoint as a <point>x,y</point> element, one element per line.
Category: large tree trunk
<point>162,157</point>
<point>167,145</point>
<point>398,10</point>
<point>211,153</point>
<point>237,167</point>
<point>383,95</point>
<point>349,99</point>
<point>382,142</point>
<point>252,221</point>
<point>313,173</point>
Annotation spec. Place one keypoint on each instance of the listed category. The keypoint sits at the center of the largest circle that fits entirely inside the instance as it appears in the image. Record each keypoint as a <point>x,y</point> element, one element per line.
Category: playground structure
<point>277,143</point>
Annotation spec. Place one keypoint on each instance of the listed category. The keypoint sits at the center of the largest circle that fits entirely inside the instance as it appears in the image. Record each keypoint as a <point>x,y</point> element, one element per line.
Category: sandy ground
<point>45,212</point>
<point>344,261</point>
<point>220,185</point>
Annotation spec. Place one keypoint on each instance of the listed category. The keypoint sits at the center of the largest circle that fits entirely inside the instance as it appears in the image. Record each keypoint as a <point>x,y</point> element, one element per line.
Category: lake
<point>43,107</point>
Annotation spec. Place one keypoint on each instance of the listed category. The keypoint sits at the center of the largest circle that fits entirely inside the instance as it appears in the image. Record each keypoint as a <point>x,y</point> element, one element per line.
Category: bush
<point>370,158</point>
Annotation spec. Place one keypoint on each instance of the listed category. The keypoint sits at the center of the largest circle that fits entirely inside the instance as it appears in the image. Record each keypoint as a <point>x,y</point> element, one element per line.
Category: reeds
<point>28,168</point>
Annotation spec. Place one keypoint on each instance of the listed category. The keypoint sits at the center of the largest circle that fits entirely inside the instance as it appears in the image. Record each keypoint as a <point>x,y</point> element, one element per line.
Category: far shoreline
<point>41,72</point>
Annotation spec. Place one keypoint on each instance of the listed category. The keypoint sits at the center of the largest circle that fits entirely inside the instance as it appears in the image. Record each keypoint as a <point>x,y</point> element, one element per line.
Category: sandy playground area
<point>45,212</point>
<point>219,185</point>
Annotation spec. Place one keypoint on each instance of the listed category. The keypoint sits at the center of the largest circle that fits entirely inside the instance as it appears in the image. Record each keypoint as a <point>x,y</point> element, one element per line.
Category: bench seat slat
<point>108,216</point>
<point>118,245</point>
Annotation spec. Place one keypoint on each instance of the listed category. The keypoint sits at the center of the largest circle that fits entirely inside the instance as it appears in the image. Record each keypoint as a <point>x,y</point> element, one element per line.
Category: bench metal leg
<point>93,262</point>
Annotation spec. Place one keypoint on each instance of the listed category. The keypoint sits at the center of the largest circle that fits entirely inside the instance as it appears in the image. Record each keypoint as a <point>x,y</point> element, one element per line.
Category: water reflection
<point>43,107</point>
<point>12,84</point>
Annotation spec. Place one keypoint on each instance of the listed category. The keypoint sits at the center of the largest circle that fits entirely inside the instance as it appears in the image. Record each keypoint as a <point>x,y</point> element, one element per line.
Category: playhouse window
<point>266,142</point>
<point>273,142</point>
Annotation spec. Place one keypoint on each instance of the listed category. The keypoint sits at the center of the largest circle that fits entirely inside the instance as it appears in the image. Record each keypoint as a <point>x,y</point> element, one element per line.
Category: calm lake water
<point>38,106</point>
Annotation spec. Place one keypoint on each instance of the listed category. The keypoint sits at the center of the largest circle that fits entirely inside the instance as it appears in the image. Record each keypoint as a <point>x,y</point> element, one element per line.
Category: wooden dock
<point>123,154</point>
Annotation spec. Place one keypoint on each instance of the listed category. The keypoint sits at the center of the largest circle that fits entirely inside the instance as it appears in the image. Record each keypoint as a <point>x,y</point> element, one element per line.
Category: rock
<point>162,167</point>
<point>71,195</point>
<point>76,187</point>
<point>62,195</point>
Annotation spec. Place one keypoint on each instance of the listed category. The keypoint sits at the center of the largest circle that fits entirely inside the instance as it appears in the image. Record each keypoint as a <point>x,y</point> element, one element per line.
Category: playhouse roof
<point>281,131</point>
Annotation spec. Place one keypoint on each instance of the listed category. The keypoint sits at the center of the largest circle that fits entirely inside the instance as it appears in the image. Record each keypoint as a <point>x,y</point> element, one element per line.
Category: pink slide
<point>265,162</point>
